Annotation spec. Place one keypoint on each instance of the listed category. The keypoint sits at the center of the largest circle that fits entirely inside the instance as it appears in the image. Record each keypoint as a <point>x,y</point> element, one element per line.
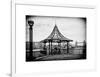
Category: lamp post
<point>30,22</point>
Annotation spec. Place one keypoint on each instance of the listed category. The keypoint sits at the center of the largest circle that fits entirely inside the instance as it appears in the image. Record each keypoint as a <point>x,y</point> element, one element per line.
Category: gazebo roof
<point>56,35</point>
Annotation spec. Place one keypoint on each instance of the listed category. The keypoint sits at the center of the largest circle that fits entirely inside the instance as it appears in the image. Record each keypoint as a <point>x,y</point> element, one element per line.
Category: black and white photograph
<point>51,38</point>
<point>48,36</point>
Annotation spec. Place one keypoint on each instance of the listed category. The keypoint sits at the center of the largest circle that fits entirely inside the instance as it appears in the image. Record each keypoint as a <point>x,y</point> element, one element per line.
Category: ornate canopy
<point>55,36</point>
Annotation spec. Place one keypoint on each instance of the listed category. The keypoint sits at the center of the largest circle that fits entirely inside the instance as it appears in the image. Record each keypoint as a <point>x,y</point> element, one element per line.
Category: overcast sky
<point>73,28</point>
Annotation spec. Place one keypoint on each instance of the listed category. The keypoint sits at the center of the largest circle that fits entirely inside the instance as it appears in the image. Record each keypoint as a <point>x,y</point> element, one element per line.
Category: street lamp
<point>30,23</point>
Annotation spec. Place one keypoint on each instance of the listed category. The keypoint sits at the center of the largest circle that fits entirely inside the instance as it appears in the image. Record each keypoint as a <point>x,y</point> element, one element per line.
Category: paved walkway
<point>59,57</point>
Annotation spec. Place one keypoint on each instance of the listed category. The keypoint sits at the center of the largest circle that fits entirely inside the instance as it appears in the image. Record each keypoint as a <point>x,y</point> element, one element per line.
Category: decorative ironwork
<point>56,37</point>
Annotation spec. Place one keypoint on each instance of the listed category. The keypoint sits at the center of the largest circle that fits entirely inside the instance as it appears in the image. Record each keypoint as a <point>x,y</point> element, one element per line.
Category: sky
<point>73,28</point>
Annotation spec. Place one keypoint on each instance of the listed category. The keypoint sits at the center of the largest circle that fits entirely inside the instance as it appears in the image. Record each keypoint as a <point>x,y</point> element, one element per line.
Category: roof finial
<point>55,22</point>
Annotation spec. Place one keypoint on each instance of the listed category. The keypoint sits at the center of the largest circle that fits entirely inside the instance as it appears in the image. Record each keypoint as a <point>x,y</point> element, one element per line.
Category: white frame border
<point>13,26</point>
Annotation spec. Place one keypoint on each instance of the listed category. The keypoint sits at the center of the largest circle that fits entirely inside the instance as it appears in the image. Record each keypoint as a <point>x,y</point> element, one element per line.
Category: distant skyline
<point>73,28</point>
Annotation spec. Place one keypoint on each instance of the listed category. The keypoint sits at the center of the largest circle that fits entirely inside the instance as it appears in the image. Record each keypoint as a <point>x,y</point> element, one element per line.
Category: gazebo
<point>55,37</point>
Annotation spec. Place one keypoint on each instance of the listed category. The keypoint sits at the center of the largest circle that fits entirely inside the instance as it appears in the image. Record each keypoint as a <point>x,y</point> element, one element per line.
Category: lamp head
<point>30,22</point>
